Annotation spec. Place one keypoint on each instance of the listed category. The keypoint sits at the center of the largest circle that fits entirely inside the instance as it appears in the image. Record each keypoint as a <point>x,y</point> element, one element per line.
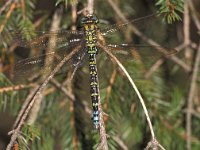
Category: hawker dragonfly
<point>89,41</point>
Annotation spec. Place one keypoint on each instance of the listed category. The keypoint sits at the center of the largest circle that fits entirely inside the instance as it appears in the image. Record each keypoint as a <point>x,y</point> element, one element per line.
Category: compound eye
<point>95,19</point>
<point>83,20</point>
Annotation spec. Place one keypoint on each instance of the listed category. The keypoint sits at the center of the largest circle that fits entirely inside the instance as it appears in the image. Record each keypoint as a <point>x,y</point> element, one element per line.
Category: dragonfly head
<point>89,19</point>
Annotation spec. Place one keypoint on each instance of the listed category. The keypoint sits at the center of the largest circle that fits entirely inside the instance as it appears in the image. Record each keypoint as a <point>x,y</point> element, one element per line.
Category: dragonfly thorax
<point>90,30</point>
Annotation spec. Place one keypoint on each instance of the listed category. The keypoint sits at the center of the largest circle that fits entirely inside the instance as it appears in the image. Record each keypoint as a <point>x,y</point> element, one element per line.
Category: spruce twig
<point>134,87</point>
<point>35,96</point>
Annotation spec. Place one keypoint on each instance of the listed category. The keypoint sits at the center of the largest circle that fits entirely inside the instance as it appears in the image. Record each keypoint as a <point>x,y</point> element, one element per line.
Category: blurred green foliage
<point>64,124</point>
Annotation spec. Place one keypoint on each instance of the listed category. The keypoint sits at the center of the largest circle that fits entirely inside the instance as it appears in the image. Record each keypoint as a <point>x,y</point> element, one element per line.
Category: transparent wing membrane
<point>42,65</point>
<point>165,51</point>
<point>139,33</point>
<point>62,42</point>
<point>138,54</point>
<point>117,27</point>
<point>42,39</point>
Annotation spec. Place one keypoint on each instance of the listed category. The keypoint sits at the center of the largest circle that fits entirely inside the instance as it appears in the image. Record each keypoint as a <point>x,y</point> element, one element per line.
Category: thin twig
<point>63,89</point>
<point>5,5</point>
<point>34,98</point>
<point>186,31</point>
<point>69,95</point>
<point>172,127</point>
<point>109,88</point>
<point>103,136</point>
<point>120,143</point>
<point>194,14</point>
<point>74,16</point>
<point>10,11</point>
<point>160,61</point>
<point>154,144</point>
<point>146,39</point>
<point>190,98</point>
<point>70,88</point>
<point>35,110</point>
<point>186,22</point>
<point>24,106</point>
<point>137,92</point>
<point>90,6</point>
<point>154,67</point>
<point>23,8</point>
<point>194,113</point>
<point>134,87</point>
<point>52,43</point>
<point>16,87</point>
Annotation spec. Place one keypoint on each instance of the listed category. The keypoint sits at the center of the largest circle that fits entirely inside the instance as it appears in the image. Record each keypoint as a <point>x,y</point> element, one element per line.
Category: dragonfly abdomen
<point>89,23</point>
<point>94,88</point>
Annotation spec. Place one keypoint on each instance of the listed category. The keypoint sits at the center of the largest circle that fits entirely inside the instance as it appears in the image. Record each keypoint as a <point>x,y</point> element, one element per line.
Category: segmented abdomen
<point>94,89</point>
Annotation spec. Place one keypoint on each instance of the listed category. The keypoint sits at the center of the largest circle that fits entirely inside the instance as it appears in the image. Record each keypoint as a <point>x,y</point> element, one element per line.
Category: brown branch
<point>69,95</point>
<point>63,89</point>
<point>194,14</point>
<point>186,23</point>
<point>90,7</point>
<point>55,24</point>
<point>16,87</point>
<point>35,96</point>
<point>154,144</point>
<point>103,136</point>
<point>190,98</point>
<point>74,16</point>
<point>186,31</point>
<point>54,27</point>
<point>160,61</point>
<point>24,106</point>
<point>39,21</point>
<point>5,5</point>
<point>109,88</point>
<point>194,113</point>
<point>69,86</point>
<point>12,7</point>
<point>154,141</point>
<point>154,67</point>
<point>120,143</point>
<point>172,127</point>
<point>23,8</point>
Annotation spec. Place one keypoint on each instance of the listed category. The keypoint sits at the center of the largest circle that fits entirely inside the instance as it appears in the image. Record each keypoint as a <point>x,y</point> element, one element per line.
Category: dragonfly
<point>89,39</point>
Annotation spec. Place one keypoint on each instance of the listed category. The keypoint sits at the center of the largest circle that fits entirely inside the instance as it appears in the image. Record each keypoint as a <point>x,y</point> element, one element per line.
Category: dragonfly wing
<point>119,27</point>
<point>141,31</point>
<point>139,53</point>
<point>165,51</point>
<point>36,66</point>
<point>41,39</point>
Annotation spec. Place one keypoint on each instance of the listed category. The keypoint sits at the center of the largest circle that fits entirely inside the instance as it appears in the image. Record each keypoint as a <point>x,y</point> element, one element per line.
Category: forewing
<point>147,38</point>
<point>40,66</point>
<point>144,32</point>
<point>41,39</point>
<point>112,29</point>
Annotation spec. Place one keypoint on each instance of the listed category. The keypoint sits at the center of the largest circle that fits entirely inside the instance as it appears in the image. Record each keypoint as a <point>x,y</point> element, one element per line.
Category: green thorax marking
<point>89,23</point>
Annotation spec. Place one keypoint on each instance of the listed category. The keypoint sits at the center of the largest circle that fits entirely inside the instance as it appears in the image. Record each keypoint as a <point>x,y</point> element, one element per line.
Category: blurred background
<point>61,117</point>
